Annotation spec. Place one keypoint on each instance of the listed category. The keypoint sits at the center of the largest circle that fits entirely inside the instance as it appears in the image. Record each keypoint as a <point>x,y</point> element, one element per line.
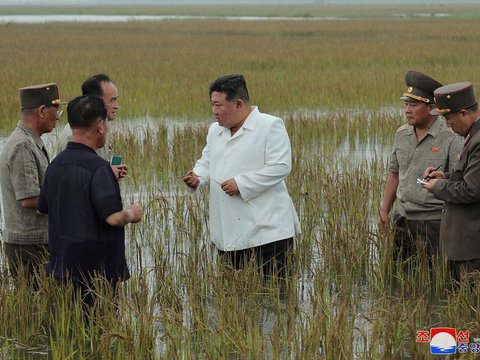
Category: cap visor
<point>58,102</point>
<point>408,98</point>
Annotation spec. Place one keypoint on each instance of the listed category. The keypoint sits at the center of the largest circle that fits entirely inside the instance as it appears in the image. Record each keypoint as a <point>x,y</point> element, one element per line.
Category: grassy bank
<point>459,10</point>
<point>163,68</point>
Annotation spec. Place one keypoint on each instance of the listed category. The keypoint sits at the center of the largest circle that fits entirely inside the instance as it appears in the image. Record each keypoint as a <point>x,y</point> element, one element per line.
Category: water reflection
<point>41,19</point>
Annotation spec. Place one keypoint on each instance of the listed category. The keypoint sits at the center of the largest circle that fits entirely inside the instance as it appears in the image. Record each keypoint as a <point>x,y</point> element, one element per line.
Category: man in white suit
<point>245,163</point>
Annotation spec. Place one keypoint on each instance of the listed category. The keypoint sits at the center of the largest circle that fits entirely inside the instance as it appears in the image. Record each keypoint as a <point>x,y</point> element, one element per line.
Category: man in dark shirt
<point>82,198</point>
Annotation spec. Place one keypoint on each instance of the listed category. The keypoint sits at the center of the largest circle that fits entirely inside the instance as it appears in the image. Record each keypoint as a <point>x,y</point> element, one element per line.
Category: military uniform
<point>460,230</point>
<point>23,163</point>
<point>418,214</point>
<point>410,158</point>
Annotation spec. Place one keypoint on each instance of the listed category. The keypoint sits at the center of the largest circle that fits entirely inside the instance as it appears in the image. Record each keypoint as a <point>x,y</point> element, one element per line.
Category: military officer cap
<point>453,98</point>
<point>38,95</point>
<point>420,87</point>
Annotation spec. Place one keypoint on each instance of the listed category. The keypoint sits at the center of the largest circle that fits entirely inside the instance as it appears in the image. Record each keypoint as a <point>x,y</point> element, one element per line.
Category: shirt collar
<point>79,146</point>
<point>432,131</point>
<point>248,124</point>
<point>435,128</point>
<point>473,130</point>
<point>22,126</point>
<point>475,127</point>
<point>251,119</point>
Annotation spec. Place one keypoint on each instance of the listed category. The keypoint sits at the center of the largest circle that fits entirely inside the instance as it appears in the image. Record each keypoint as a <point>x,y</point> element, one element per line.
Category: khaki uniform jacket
<point>410,158</point>
<point>460,229</point>
<point>23,163</point>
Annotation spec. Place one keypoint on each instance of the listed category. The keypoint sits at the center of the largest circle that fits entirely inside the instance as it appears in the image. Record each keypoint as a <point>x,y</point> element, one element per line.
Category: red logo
<point>463,336</point>
<point>423,336</point>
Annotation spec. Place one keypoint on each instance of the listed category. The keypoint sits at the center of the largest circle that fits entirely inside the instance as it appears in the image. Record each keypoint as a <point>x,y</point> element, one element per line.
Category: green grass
<point>355,11</point>
<point>163,69</point>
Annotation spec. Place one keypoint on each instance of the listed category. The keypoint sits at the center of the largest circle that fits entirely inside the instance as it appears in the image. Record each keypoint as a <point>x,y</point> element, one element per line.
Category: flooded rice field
<point>345,298</point>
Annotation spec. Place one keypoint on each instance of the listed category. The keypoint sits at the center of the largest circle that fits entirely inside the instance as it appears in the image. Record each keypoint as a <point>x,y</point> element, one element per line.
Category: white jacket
<point>259,157</point>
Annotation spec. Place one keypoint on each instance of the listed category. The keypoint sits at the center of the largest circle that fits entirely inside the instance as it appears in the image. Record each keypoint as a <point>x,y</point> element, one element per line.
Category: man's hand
<point>430,173</point>
<point>432,176</point>
<point>191,180</point>
<point>120,171</point>
<point>430,184</point>
<point>383,220</point>
<point>131,214</point>
<point>230,187</point>
<point>135,212</point>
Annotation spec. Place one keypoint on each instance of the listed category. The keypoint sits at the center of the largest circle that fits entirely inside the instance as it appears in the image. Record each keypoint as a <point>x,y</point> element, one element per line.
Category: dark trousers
<point>272,258</point>
<point>410,234</point>
<point>84,291</point>
<point>84,294</point>
<point>461,269</point>
<point>26,260</point>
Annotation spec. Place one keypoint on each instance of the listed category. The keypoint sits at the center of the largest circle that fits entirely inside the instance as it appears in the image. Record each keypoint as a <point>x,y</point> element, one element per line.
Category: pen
<point>218,182</point>
<point>428,176</point>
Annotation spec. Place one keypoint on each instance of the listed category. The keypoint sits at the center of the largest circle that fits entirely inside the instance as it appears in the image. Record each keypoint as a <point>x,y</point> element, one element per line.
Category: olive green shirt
<point>23,163</point>
<point>409,159</point>
<point>104,152</point>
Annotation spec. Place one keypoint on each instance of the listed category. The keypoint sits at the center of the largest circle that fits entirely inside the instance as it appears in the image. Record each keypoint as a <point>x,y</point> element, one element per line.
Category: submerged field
<point>337,85</point>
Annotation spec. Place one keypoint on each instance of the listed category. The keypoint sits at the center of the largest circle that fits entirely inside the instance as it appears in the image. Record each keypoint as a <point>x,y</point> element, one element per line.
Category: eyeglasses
<point>57,110</point>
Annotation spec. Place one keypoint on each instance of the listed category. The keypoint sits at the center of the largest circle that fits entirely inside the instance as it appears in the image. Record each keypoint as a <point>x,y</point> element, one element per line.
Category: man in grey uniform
<point>23,163</point>
<point>424,141</point>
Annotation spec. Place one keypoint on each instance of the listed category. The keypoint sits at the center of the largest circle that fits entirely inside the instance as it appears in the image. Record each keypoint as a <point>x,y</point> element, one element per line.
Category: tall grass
<point>346,298</point>
<point>163,68</point>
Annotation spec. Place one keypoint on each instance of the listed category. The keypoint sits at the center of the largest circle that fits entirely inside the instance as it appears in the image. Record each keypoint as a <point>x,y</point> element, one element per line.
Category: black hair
<point>93,85</point>
<point>233,86</point>
<point>84,111</point>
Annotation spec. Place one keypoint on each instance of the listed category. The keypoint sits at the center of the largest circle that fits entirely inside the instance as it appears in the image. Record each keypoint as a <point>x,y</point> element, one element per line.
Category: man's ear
<point>41,110</point>
<point>239,104</point>
<point>464,112</point>
<point>101,127</point>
